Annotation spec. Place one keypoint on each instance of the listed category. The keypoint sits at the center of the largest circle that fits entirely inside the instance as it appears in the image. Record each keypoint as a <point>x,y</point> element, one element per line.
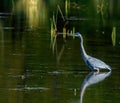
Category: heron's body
<point>92,63</point>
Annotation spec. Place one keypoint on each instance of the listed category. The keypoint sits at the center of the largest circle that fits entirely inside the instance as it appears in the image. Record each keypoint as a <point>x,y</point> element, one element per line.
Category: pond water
<point>31,72</point>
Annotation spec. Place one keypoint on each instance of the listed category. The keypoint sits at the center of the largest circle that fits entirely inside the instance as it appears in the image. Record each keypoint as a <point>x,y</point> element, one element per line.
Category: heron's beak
<point>70,34</point>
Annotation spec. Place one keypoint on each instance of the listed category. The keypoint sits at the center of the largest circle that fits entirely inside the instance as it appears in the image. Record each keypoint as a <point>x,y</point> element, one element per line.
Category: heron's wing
<point>96,63</point>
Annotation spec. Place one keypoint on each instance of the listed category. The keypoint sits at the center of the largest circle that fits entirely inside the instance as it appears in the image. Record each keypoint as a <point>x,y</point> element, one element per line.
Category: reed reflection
<point>92,78</point>
<point>1,44</point>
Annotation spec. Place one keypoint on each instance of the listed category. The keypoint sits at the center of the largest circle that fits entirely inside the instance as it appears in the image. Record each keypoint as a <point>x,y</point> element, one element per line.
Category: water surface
<point>30,72</point>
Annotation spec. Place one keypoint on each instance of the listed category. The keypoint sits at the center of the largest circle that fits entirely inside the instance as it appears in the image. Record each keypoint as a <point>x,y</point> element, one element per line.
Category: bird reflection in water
<point>92,78</point>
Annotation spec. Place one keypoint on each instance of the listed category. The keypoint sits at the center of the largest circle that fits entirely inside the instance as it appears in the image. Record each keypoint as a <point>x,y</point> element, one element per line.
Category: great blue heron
<point>93,63</point>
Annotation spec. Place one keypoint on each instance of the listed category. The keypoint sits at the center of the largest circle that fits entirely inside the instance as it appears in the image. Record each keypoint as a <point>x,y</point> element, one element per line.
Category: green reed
<point>101,6</point>
<point>59,9</point>
<point>54,30</point>
<point>113,36</point>
<point>64,33</point>
<point>67,7</point>
<point>13,4</point>
<point>73,31</point>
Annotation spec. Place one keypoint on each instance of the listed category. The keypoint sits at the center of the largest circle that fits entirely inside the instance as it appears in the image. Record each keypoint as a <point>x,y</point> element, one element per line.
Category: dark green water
<point>31,73</point>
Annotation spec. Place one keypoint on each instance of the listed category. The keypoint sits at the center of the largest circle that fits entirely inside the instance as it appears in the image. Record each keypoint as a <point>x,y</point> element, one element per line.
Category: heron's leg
<point>98,70</point>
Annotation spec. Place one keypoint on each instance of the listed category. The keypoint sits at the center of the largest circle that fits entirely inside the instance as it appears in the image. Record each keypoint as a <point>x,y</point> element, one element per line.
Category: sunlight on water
<point>32,12</point>
<point>35,11</point>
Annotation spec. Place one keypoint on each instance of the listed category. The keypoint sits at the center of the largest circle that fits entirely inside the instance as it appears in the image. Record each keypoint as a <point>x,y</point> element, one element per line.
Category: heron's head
<point>77,34</point>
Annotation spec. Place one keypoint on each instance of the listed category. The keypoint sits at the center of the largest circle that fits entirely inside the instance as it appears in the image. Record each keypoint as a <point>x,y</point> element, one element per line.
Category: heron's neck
<point>84,55</point>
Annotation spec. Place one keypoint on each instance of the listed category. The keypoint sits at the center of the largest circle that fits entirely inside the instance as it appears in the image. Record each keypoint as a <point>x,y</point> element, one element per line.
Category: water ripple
<point>26,88</point>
